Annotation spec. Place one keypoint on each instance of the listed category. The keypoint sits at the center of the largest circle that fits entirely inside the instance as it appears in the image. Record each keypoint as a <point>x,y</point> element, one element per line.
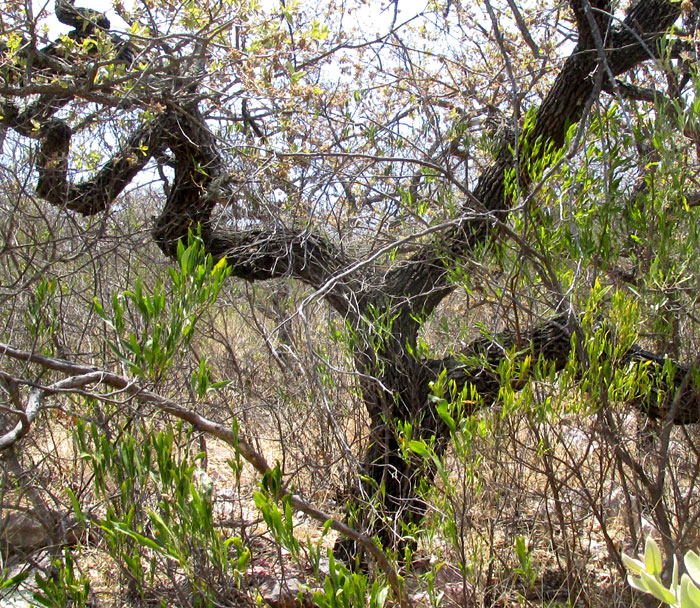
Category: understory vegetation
<point>349,304</point>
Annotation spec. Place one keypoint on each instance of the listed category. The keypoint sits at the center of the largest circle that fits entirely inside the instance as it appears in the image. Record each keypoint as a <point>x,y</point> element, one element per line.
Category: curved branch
<point>628,44</point>
<point>201,180</point>
<point>477,365</point>
<point>261,254</point>
<point>254,255</point>
<point>82,19</point>
<point>257,254</point>
<point>95,195</point>
<point>86,375</point>
<point>26,415</point>
<point>38,112</point>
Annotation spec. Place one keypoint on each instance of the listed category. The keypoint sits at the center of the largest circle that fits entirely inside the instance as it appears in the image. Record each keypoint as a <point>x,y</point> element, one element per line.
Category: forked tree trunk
<point>396,389</point>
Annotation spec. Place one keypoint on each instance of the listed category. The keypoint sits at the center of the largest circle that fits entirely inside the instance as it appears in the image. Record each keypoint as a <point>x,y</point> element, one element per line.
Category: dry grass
<point>556,484</point>
<point>562,484</point>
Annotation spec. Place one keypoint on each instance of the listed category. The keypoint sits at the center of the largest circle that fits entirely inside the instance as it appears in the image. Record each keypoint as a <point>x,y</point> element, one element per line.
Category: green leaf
<point>632,564</point>
<point>442,410</point>
<point>76,507</point>
<point>692,565</point>
<point>99,310</point>
<point>379,597</point>
<point>660,592</point>
<point>690,594</point>
<point>418,447</point>
<point>141,539</point>
<point>14,580</point>
<point>652,557</point>
<point>674,575</point>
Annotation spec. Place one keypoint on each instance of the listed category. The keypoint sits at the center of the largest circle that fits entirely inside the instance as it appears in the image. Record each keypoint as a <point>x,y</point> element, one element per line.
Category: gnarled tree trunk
<point>385,309</point>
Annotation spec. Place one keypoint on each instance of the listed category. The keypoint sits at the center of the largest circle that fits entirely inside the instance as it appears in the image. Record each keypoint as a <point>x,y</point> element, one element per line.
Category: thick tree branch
<point>477,365</point>
<point>254,255</point>
<point>585,11</point>
<point>633,91</point>
<point>628,44</point>
<point>200,182</point>
<point>36,113</point>
<point>261,254</point>
<point>83,19</point>
<point>95,195</point>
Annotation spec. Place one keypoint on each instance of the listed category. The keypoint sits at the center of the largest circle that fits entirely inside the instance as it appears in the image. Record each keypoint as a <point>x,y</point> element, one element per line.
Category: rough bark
<point>414,288</point>
<point>677,402</point>
<point>422,282</point>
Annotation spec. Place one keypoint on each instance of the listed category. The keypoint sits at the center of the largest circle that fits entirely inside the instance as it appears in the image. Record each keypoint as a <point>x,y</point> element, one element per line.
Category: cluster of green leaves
<point>159,513</point>
<point>524,554</point>
<point>167,318</point>
<point>345,589</point>
<point>156,503</point>
<point>535,156</point>
<point>41,316</point>
<point>455,408</point>
<point>616,202</point>
<point>66,588</point>
<point>605,376</point>
<point>341,588</point>
<point>647,571</point>
<point>279,522</point>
